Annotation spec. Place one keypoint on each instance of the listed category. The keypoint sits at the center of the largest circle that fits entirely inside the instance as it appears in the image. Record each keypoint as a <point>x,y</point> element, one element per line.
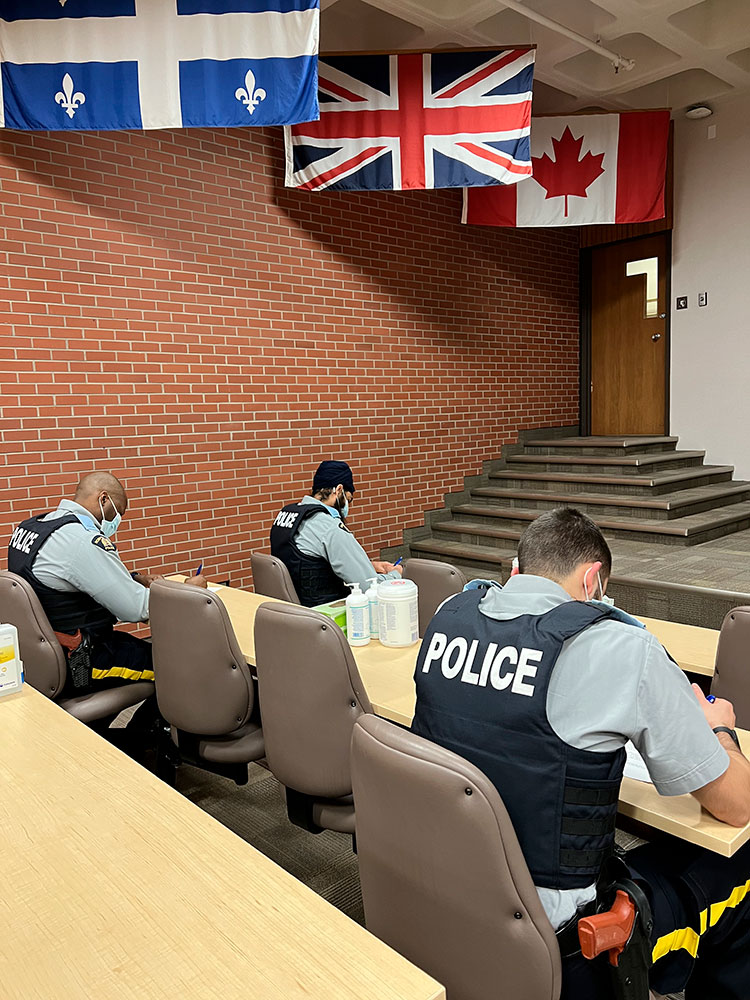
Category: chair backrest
<point>271,578</point>
<point>310,695</point>
<point>443,878</point>
<point>732,673</point>
<point>435,582</point>
<point>44,663</point>
<point>203,682</point>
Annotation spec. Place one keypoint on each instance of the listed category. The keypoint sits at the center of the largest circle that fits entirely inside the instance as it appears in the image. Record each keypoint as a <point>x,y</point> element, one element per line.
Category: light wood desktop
<point>692,647</point>
<point>388,677</point>
<point>682,815</point>
<point>115,886</point>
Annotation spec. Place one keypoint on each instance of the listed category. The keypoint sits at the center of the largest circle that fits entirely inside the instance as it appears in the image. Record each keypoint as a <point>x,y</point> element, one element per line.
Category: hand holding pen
<point>198,580</point>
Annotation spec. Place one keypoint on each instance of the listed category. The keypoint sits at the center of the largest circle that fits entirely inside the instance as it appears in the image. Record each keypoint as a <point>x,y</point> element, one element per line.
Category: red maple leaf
<point>567,175</point>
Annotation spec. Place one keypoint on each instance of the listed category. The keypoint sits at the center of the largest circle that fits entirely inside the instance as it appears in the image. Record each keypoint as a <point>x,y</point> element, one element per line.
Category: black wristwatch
<point>731,732</point>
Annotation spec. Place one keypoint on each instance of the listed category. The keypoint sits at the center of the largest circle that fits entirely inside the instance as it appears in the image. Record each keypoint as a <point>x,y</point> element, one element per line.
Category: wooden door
<point>629,336</point>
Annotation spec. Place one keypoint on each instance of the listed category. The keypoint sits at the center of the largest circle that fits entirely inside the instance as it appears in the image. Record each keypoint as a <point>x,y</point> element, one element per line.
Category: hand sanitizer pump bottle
<point>357,617</point>
<point>372,599</point>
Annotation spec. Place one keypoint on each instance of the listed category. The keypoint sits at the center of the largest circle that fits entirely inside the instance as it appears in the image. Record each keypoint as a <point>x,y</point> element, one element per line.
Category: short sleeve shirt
<point>613,683</point>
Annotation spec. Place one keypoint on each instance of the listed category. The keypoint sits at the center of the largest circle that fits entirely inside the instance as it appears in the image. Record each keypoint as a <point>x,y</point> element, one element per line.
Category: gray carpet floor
<point>257,813</point>
<point>722,564</point>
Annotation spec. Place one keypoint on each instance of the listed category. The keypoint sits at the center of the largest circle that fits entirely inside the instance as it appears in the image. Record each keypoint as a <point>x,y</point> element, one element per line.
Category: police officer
<point>311,538</point>
<point>541,686</point>
<point>70,560</point>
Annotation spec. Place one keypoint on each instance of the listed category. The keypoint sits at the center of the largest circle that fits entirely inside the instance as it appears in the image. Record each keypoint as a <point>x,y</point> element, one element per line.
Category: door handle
<point>656,336</point>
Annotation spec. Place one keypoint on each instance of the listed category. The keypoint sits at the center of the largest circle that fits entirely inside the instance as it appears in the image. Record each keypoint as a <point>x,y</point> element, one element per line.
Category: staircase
<point>638,488</point>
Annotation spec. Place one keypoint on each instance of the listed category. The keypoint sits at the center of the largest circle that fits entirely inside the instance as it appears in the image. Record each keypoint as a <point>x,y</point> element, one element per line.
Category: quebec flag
<point>118,64</point>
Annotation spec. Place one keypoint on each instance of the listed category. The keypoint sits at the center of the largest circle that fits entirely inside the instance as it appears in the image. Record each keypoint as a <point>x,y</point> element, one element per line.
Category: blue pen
<point>711,698</point>
<point>399,560</point>
<point>199,570</point>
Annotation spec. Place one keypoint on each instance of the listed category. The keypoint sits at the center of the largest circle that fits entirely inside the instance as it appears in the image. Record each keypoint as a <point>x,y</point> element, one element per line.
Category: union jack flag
<point>431,120</point>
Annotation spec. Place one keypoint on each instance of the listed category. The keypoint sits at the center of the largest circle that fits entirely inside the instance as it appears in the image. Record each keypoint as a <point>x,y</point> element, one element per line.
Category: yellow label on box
<point>7,653</point>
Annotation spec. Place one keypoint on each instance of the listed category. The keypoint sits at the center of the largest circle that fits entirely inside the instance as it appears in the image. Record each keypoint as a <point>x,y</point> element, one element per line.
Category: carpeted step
<point>600,445</point>
<point>615,464</point>
<point>475,524</point>
<point>623,485</point>
<point>666,506</point>
<point>474,560</point>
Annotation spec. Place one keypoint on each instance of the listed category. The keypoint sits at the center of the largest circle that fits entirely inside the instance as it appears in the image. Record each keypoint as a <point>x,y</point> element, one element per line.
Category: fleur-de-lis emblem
<point>249,96</point>
<point>68,97</point>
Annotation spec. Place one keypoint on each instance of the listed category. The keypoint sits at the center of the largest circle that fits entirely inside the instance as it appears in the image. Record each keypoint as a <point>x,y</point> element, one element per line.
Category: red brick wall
<point>177,317</point>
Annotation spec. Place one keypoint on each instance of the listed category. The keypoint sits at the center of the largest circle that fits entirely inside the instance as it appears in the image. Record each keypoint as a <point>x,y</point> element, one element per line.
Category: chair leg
<point>168,756</point>
<point>299,809</point>
<point>166,770</point>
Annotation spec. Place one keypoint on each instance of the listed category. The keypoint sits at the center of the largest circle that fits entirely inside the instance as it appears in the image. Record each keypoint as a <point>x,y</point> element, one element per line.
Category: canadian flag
<point>586,170</point>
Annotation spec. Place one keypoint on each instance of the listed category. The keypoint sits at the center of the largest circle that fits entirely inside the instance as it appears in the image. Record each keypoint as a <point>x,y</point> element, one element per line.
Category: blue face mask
<point>602,599</point>
<point>337,510</point>
<point>110,527</point>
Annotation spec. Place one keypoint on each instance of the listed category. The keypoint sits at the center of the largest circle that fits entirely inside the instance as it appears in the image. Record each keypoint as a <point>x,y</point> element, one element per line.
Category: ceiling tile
<point>679,91</point>
<point>580,15</point>
<point>714,23</point>
<point>510,28</point>
<point>354,26</point>
<point>741,59</point>
<point>597,71</point>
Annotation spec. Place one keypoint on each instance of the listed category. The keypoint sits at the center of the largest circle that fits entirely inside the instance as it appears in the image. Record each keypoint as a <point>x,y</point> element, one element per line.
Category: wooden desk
<point>115,886</point>
<point>682,815</point>
<point>386,673</point>
<point>388,677</point>
<point>242,605</point>
<point>692,647</point>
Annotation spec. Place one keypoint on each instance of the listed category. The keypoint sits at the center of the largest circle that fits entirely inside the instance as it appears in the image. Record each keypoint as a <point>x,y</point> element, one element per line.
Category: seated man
<point>69,559</point>
<point>311,538</point>
<point>541,687</point>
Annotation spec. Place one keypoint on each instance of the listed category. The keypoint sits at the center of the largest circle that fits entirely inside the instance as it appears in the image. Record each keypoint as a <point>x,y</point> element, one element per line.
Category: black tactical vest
<point>67,610</point>
<point>482,693</point>
<point>312,576</point>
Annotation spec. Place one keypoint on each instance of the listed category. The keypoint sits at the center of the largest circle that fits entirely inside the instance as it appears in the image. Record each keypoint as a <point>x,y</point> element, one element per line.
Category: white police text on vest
<point>286,518</point>
<point>501,668</point>
<point>22,539</point>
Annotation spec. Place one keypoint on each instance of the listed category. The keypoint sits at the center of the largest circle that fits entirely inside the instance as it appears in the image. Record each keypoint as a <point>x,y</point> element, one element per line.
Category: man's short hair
<point>94,482</point>
<point>560,540</point>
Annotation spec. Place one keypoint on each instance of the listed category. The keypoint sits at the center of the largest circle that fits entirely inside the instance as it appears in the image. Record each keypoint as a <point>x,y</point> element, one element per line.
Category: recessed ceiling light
<point>699,111</point>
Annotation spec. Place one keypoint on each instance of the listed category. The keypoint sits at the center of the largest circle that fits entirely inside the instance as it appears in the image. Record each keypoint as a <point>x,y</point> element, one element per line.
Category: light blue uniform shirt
<point>327,538</point>
<point>69,561</point>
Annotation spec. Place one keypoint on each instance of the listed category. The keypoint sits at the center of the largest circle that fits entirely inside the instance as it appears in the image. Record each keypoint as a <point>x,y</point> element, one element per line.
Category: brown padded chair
<point>44,663</point>
<point>443,878</point>
<point>311,695</point>
<point>271,578</point>
<point>732,674</point>
<point>436,581</point>
<point>204,688</point>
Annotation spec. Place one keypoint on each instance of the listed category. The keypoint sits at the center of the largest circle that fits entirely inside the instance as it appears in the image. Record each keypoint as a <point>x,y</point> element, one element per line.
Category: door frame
<point>584,286</point>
